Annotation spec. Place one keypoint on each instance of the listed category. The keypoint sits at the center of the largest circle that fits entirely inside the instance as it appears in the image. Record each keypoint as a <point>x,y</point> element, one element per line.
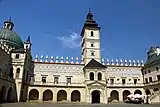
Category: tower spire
<point>10,19</point>
<point>89,15</point>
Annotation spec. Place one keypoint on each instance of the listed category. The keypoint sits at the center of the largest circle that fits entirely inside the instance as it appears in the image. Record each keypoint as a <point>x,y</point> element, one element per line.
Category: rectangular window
<point>149,71</point>
<point>55,80</point>
<point>150,79</point>
<point>112,81</point>
<point>157,69</point>
<point>123,81</point>
<point>31,78</point>
<point>43,79</point>
<point>68,80</point>
<point>158,77</point>
<point>146,79</point>
<point>135,81</point>
<point>17,56</point>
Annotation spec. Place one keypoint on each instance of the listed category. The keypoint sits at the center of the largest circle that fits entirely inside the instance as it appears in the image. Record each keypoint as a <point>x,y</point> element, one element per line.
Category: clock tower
<point>90,40</point>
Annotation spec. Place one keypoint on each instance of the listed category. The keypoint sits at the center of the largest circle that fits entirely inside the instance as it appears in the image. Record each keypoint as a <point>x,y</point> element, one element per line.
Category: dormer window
<point>17,56</point>
<point>92,34</point>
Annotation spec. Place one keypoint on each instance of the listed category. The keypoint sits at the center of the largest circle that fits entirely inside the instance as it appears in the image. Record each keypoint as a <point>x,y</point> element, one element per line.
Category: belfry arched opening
<point>96,96</point>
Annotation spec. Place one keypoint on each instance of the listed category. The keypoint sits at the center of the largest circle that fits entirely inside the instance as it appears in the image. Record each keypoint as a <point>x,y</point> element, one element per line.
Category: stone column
<point>120,96</point>
<point>54,90</point>
<point>69,94</point>
<point>105,96</point>
<point>88,96</point>
<point>40,99</point>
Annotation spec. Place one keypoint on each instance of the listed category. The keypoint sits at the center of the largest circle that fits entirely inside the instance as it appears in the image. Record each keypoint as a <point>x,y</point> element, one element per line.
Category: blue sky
<point>129,27</point>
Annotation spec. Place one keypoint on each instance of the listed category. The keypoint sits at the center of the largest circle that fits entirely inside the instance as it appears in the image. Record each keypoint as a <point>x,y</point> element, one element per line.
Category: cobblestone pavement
<point>75,105</point>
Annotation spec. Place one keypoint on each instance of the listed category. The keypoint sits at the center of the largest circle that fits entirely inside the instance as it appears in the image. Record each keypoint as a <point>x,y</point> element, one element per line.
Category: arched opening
<point>148,92</point>
<point>75,96</point>
<point>92,34</point>
<point>47,95</point>
<point>125,94</point>
<point>17,72</point>
<point>96,96</point>
<point>99,76</point>
<point>138,92</point>
<point>33,94</point>
<point>2,94</point>
<point>91,76</point>
<point>114,96</point>
<point>155,89</point>
<point>9,95</point>
<point>61,95</point>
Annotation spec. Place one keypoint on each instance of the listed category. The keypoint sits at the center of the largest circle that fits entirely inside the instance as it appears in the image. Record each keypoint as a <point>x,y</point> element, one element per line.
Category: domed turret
<point>10,37</point>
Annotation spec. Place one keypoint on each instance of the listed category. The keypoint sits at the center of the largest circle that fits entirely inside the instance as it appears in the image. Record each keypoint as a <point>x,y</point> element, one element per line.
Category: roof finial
<point>28,40</point>
<point>10,19</point>
<point>89,10</point>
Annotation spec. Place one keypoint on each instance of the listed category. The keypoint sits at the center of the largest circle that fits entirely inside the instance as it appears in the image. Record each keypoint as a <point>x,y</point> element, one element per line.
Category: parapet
<point>76,60</point>
<point>124,62</point>
<point>57,59</point>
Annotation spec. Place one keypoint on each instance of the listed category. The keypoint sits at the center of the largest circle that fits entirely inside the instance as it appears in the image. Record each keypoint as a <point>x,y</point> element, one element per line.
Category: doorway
<point>96,96</point>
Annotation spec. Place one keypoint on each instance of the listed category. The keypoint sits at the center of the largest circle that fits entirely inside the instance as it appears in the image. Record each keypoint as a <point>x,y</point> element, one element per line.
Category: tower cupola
<point>8,24</point>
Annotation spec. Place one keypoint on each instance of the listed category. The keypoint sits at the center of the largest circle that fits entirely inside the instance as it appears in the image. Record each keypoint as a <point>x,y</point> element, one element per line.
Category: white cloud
<point>71,41</point>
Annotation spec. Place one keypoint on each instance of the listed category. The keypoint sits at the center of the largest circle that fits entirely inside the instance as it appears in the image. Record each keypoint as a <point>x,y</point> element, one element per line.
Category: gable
<point>96,84</point>
<point>94,64</point>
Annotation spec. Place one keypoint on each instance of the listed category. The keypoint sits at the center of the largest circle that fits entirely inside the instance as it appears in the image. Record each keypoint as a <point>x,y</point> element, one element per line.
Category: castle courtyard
<point>74,105</point>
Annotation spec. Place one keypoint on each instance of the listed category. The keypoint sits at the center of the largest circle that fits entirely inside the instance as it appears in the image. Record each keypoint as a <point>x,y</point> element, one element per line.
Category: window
<point>150,79</point>
<point>92,53</point>
<point>91,76</point>
<point>146,79</point>
<point>68,80</point>
<point>99,76</point>
<point>43,79</point>
<point>149,71</point>
<point>112,81</point>
<point>123,81</point>
<point>92,34</point>
<point>129,79</point>
<point>17,72</point>
<point>92,45</point>
<point>117,79</point>
<point>135,81</point>
<point>32,78</point>
<point>157,69</point>
<point>55,80</point>
<point>158,77</point>
<point>17,56</point>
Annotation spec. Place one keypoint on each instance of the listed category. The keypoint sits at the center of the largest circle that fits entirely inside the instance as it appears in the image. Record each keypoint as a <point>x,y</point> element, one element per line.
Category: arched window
<point>92,34</point>
<point>91,76</point>
<point>17,72</point>
<point>99,76</point>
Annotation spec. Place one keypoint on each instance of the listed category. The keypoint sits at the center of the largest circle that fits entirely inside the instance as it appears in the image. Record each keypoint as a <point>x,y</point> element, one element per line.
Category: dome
<point>11,38</point>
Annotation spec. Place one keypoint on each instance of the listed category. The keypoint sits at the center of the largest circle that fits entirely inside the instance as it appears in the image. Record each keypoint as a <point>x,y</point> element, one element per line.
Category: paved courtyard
<point>75,105</point>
